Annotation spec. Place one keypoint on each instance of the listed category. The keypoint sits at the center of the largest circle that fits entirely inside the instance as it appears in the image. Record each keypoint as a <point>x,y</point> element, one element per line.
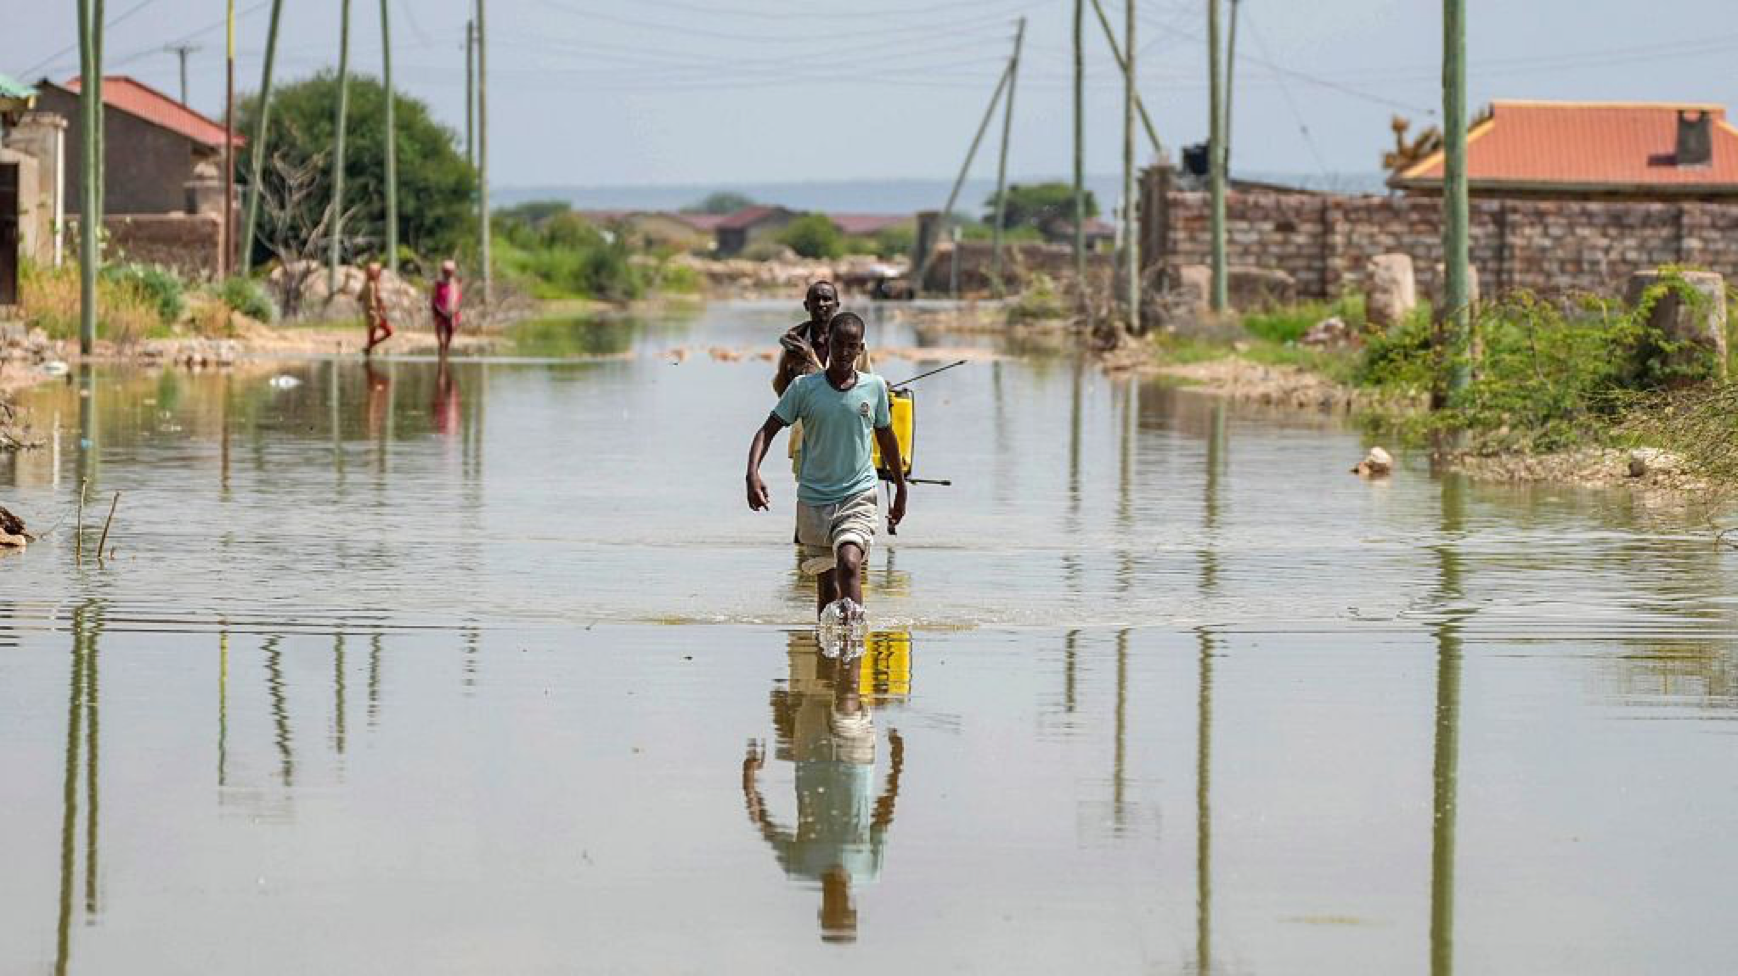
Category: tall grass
<point>127,311</point>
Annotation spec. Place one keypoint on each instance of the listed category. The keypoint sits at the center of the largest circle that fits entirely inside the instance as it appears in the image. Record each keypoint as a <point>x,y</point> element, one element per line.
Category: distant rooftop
<point>1614,147</point>
<point>137,98</point>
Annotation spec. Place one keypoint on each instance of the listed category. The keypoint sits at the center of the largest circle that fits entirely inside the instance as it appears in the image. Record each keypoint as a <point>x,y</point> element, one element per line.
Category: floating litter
<point>284,381</point>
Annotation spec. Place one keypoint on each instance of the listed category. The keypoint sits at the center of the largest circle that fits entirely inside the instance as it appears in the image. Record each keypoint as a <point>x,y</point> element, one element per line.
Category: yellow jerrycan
<point>903,409</point>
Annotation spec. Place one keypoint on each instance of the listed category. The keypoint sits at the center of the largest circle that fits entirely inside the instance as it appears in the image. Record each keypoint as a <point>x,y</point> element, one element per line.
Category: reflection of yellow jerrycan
<point>904,411</point>
<point>886,671</point>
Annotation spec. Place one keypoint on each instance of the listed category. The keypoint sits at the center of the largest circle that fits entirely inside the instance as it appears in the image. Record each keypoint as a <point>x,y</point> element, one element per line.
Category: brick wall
<point>1544,246</point>
<point>186,242</point>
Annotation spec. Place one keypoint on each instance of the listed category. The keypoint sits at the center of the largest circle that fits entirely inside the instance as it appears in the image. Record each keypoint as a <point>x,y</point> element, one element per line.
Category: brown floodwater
<point>490,669</point>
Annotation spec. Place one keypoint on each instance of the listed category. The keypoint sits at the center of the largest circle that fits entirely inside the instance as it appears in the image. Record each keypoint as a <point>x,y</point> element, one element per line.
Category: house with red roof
<point>153,146</point>
<point>1634,151</point>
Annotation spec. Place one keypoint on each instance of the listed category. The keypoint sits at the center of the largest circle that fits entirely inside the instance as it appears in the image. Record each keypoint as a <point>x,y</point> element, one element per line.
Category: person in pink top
<point>445,305</point>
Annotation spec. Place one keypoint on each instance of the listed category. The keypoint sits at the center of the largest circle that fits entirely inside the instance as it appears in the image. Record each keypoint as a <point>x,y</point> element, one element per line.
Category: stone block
<point>1390,289</point>
<point>1695,322</point>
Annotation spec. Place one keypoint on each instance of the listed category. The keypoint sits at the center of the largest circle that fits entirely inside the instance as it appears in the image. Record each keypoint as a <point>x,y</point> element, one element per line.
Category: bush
<point>1289,323</point>
<point>813,236</point>
<point>126,312</point>
<point>161,286</point>
<point>247,297</point>
<point>1039,302</point>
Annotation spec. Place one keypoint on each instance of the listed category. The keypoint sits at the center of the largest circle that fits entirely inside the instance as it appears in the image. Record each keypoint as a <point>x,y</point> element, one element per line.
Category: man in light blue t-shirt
<point>841,409</point>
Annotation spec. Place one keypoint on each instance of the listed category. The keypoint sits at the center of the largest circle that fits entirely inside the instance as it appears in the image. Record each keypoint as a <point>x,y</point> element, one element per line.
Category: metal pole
<point>391,143</point>
<point>338,149</point>
<point>1216,161</point>
<point>102,135</point>
<point>1002,164</point>
<point>88,216</point>
<point>471,92</point>
<point>1230,80</point>
<point>1080,156</point>
<point>1456,292</point>
<point>1130,243</point>
<point>226,260</point>
<point>1121,65</point>
<point>965,167</point>
<point>483,153</point>
<point>257,151</point>
<point>181,51</point>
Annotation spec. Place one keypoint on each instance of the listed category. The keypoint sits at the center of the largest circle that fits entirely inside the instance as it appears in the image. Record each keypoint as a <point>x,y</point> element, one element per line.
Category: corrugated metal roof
<point>1613,146</point>
<point>868,223</point>
<point>11,87</point>
<point>128,95</point>
<point>749,216</point>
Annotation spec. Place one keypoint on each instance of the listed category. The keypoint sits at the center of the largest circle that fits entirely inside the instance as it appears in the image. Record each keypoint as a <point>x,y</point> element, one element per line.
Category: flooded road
<point>490,669</point>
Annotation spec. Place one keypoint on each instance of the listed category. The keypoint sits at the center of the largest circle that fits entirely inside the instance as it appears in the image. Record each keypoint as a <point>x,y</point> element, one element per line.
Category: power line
<point>52,58</point>
<point>1296,114</point>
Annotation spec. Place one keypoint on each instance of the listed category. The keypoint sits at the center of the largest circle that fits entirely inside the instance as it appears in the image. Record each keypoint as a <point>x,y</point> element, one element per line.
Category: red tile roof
<point>867,223</point>
<point>1607,146</point>
<point>749,216</point>
<point>134,98</point>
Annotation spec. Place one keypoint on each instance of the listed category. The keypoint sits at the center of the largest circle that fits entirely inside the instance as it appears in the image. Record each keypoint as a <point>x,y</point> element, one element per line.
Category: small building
<point>870,224</point>
<point>1061,231</point>
<point>1635,151</point>
<point>153,146</point>
<point>751,225</point>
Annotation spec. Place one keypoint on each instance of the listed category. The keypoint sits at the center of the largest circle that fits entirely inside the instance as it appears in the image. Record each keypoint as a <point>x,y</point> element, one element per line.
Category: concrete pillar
<point>42,137</point>
<point>1696,321</point>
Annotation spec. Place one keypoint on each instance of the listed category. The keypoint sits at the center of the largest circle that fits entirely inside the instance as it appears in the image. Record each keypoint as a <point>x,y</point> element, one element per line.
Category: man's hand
<point>897,513</point>
<point>758,499</point>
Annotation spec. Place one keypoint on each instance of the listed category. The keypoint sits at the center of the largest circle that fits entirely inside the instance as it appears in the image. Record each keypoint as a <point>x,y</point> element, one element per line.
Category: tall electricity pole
<point>1130,245</point>
<point>471,92</point>
<point>1457,296</point>
<point>257,151</point>
<point>90,213</point>
<point>953,194</point>
<point>1230,81</point>
<point>483,154</point>
<point>337,232</point>
<point>182,51</point>
<point>1002,163</point>
<point>1121,65</point>
<point>226,261</point>
<point>102,134</point>
<point>1080,158</point>
<point>391,143</point>
<point>1216,161</point>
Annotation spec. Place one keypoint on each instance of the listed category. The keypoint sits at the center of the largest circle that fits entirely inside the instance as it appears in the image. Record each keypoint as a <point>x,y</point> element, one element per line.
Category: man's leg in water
<point>826,590</point>
<point>850,572</point>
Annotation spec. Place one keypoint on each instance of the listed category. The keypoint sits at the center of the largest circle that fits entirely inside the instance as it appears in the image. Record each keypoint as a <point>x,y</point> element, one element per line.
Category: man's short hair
<point>849,320</point>
<point>823,283</point>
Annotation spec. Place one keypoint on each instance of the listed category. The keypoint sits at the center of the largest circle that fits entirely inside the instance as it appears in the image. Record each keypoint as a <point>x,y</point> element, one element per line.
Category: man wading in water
<point>804,351</point>
<point>841,408</point>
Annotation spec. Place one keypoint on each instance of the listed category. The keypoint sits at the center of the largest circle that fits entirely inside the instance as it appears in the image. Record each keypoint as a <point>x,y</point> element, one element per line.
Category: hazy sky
<point>697,91</point>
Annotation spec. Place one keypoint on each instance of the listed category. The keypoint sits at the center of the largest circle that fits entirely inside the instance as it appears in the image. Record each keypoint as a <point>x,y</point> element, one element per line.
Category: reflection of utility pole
<point>1446,771</point>
<point>338,691</point>
<point>69,792</point>
<point>182,51</point>
<point>274,659</point>
<point>92,629</point>
<point>223,708</point>
<point>1002,164</point>
<point>1119,777</point>
<point>1204,809</point>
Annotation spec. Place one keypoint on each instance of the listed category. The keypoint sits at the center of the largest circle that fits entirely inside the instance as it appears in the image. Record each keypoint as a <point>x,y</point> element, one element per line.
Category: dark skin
<point>846,579</point>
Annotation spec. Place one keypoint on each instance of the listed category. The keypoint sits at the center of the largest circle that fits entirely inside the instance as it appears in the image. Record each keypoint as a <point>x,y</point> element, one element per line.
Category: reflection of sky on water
<point>361,667</point>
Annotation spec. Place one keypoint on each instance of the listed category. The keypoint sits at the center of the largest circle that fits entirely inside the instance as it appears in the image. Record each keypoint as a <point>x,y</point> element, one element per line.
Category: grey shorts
<point>822,529</point>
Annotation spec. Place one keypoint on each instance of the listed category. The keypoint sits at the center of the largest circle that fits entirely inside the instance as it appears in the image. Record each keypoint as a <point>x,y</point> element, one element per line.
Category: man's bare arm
<point>758,498</point>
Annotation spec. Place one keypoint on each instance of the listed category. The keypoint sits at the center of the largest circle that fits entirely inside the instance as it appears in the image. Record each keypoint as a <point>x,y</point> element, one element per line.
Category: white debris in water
<point>284,381</point>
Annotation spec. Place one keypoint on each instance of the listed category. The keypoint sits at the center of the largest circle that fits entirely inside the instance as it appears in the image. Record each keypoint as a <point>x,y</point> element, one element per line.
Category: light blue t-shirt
<point>838,431</point>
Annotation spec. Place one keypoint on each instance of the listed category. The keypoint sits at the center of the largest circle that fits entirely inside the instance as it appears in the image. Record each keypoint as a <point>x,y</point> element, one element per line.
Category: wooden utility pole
<point>257,151</point>
<point>391,143</point>
<point>182,51</point>
<point>332,253</point>
<point>471,92</point>
<point>226,261</point>
<point>1122,65</point>
<point>1080,157</point>
<point>1130,237</point>
<point>1230,81</point>
<point>1457,298</point>
<point>483,154</point>
<point>959,181</point>
<point>1002,164</point>
<point>1216,162</point>
<point>89,216</point>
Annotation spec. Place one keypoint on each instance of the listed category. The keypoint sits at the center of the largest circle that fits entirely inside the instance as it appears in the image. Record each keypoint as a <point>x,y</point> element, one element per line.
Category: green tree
<point>1039,205</point>
<point>813,235</point>
<point>435,183</point>
<point>722,202</point>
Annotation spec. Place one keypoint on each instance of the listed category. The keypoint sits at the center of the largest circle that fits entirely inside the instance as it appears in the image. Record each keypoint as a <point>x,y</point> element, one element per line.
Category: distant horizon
<point>902,194</point>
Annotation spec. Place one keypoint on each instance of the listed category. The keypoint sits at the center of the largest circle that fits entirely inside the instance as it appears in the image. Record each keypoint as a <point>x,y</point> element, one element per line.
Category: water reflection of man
<point>445,409</point>
<point>826,728</point>
<point>379,396</point>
